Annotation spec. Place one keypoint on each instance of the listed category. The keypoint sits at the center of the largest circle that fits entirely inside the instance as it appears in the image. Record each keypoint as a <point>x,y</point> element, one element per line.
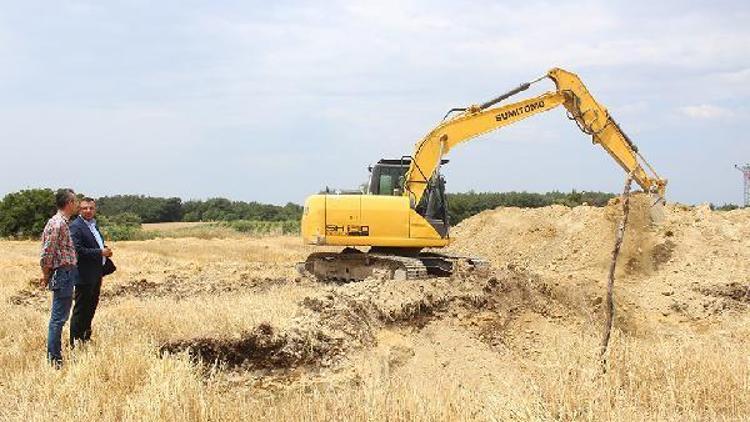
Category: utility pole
<point>746,179</point>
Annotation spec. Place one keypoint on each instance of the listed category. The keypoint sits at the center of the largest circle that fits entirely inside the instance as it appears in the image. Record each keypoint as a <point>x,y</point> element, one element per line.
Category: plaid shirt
<point>57,246</point>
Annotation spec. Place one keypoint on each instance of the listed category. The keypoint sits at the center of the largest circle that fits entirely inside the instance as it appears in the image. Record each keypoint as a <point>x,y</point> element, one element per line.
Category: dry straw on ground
<point>521,343</point>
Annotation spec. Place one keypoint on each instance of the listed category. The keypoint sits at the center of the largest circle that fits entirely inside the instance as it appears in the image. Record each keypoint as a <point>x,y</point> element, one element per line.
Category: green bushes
<point>725,207</point>
<point>222,229</point>
<point>148,209</point>
<point>116,231</point>
<point>162,210</point>
<point>221,209</point>
<point>124,226</point>
<point>123,219</point>
<point>265,227</point>
<point>24,213</point>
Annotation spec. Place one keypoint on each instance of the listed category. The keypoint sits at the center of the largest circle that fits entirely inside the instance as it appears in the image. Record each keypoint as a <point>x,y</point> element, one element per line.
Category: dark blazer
<point>89,253</point>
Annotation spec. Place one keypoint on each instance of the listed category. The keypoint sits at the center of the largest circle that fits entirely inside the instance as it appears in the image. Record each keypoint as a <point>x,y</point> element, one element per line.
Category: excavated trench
<point>346,318</point>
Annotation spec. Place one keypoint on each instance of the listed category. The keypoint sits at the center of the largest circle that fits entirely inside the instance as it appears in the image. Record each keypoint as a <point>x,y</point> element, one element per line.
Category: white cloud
<point>636,108</point>
<point>706,111</point>
<point>78,7</point>
<point>737,77</point>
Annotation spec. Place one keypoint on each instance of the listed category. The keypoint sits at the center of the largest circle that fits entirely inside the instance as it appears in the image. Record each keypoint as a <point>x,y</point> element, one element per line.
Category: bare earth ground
<point>225,329</point>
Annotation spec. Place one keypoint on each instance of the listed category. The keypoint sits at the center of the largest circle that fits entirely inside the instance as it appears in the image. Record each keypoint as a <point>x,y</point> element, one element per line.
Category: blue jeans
<point>62,299</point>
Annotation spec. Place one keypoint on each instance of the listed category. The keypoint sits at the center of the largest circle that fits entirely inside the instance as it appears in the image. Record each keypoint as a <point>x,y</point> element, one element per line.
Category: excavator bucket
<point>656,212</point>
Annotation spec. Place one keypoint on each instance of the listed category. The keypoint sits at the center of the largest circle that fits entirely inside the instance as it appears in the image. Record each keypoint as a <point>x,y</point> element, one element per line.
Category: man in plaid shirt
<point>59,273</point>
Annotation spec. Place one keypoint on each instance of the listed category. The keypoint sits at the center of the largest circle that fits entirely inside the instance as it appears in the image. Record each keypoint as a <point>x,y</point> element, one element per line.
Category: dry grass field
<point>225,329</point>
<point>160,227</point>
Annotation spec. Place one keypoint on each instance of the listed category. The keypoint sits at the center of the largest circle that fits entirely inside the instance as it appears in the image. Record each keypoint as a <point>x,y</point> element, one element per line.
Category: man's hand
<point>46,275</point>
<point>107,252</point>
<point>44,279</point>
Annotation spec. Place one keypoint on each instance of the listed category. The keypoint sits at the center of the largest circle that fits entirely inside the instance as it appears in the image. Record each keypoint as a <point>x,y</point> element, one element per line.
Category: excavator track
<point>354,265</point>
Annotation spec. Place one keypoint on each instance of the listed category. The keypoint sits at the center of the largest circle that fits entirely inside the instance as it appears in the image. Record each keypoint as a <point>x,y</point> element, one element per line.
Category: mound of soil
<point>561,239</point>
<point>664,269</point>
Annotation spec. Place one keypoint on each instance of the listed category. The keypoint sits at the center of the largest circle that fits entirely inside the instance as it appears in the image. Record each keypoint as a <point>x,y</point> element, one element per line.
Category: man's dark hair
<point>88,199</point>
<point>63,197</point>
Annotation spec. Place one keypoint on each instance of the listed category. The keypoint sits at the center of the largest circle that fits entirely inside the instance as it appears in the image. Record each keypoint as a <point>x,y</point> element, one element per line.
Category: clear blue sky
<point>271,101</point>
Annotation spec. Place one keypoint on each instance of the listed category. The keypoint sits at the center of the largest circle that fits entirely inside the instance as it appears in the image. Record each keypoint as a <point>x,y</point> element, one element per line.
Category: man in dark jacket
<point>92,255</point>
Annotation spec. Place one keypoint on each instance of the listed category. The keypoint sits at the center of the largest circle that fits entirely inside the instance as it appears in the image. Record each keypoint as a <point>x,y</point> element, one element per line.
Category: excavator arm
<point>591,117</point>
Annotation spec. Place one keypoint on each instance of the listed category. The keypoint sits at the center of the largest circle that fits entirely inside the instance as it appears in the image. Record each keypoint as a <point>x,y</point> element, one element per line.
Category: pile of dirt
<point>666,269</point>
<point>561,239</point>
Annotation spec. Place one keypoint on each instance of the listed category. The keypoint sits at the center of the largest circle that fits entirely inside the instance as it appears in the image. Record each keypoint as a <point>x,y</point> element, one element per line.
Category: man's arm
<point>49,242</point>
<point>76,233</point>
<point>106,251</point>
<point>46,274</point>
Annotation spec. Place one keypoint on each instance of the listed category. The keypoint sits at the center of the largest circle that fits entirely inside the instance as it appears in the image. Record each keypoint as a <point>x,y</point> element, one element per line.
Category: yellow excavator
<point>403,209</point>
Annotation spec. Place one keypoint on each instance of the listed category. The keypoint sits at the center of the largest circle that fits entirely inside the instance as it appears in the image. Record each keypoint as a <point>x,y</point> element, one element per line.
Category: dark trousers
<point>86,298</point>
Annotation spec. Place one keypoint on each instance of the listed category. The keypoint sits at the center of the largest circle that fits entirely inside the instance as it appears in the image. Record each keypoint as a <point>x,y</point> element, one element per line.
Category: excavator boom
<point>591,117</point>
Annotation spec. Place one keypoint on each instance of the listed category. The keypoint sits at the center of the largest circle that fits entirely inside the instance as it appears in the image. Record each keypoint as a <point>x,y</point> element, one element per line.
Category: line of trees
<point>221,209</point>
<point>24,213</point>
<point>160,210</point>
<point>149,209</point>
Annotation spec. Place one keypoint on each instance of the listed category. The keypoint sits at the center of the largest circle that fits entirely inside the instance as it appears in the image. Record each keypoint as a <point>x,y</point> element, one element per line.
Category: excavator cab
<point>387,178</point>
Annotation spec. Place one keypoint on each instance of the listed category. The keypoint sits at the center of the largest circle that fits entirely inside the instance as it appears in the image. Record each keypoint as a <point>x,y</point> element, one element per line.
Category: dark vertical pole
<point>610,306</point>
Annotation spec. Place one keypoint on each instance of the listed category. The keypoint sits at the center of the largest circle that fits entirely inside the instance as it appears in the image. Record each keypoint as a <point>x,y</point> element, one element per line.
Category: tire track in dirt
<point>175,285</point>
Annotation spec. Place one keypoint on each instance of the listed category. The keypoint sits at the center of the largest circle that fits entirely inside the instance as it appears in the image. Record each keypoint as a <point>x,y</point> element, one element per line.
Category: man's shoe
<point>56,363</point>
<point>78,342</point>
